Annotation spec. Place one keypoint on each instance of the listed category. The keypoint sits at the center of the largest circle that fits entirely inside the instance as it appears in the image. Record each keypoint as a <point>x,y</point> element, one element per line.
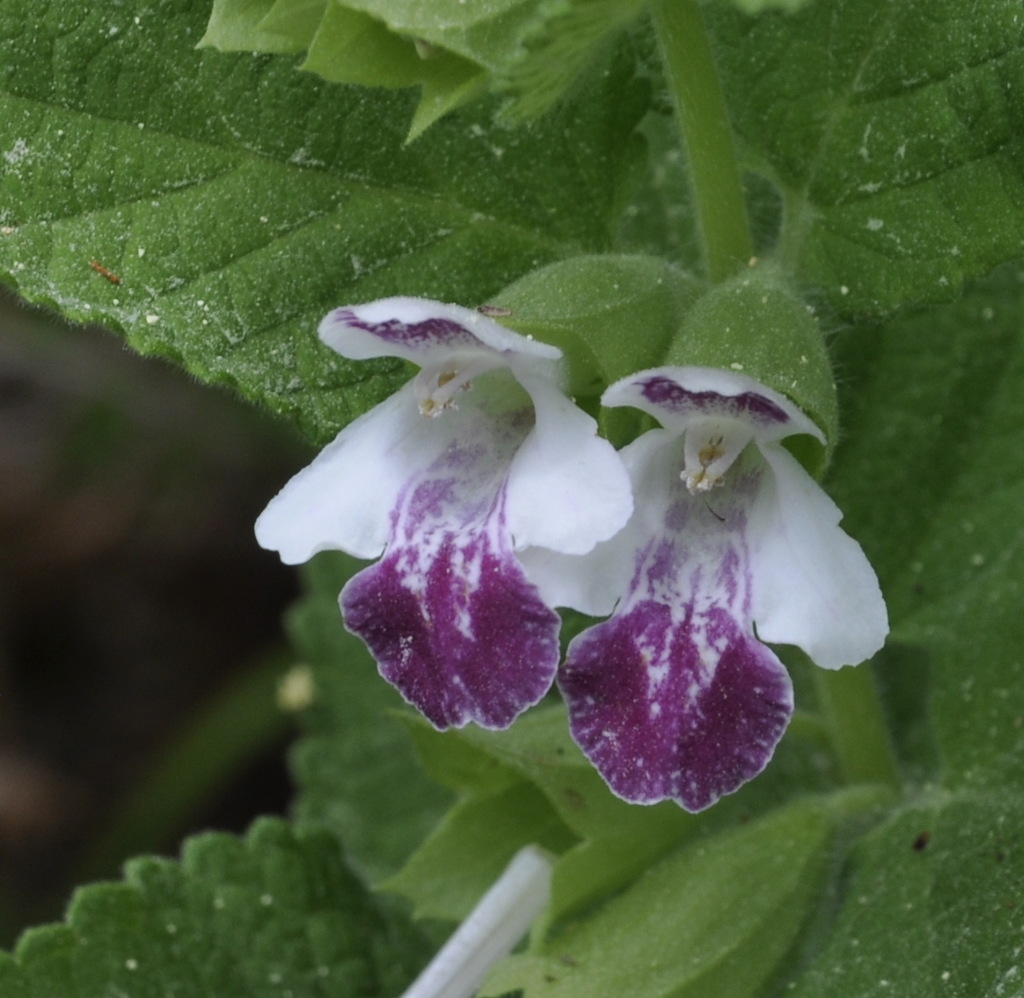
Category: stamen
<point>436,393</point>
<point>709,452</point>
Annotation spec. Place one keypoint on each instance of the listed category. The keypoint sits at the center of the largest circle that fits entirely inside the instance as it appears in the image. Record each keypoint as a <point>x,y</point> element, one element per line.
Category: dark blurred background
<point>132,597</point>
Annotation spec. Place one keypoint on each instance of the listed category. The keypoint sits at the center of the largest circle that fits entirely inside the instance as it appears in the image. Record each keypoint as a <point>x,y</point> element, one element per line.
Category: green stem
<point>851,707</point>
<point>704,123</point>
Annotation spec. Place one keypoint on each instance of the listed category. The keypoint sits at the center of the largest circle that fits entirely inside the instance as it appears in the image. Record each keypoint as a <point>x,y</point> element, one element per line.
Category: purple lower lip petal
<point>687,710</point>
<point>458,652</point>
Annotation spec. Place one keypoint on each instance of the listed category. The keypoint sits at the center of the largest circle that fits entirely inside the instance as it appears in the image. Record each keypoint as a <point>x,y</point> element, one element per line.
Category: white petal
<point>343,500</point>
<point>814,587</point>
<point>421,330</point>
<point>567,488</point>
<point>594,582</point>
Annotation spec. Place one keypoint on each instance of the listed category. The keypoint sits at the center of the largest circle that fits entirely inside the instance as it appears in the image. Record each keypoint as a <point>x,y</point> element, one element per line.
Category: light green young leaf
<point>713,918</point>
<point>556,48</point>
<point>530,50</point>
<point>237,26</point>
<point>352,47</point>
<point>237,201</point>
<point>297,20</point>
<point>349,46</point>
<point>484,32</point>
<point>275,913</point>
<point>356,766</point>
<point>894,131</point>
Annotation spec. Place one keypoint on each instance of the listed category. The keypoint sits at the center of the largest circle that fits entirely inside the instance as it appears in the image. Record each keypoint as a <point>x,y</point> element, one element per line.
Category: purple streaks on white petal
<point>683,396</point>
<point>671,395</point>
<point>426,333</point>
<point>448,612</point>
<point>418,328</point>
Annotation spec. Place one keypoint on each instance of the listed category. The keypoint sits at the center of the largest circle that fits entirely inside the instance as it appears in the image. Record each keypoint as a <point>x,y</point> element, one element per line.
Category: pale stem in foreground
<point>500,919</point>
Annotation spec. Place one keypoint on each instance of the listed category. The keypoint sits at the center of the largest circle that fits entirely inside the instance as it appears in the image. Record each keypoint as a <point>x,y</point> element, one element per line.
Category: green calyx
<point>611,315</point>
<point>756,325</point>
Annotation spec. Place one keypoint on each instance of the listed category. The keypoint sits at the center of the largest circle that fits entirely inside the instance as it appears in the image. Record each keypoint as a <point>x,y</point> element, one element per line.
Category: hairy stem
<point>851,707</point>
<point>704,125</point>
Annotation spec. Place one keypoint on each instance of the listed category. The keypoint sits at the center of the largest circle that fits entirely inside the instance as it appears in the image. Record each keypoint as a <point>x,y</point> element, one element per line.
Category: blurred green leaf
<point>756,6</point>
<point>275,913</point>
<point>932,906</point>
<point>894,131</point>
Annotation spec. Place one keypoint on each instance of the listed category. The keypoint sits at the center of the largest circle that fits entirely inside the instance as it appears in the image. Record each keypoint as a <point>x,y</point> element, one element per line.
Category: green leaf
<point>932,906</point>
<point>539,747</point>
<point>530,784</point>
<point>237,201</point>
<point>716,917</point>
<point>356,752</point>
<point>466,853</point>
<point>894,133</point>
<point>616,841</point>
<point>273,914</point>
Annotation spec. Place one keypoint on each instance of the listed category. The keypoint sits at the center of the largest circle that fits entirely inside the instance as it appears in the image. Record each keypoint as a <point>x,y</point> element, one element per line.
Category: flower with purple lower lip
<point>675,696</point>
<point>477,460</point>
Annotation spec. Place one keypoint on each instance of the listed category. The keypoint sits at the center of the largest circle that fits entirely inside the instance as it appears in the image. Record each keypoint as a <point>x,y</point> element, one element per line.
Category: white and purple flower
<point>479,459</point>
<point>731,544</point>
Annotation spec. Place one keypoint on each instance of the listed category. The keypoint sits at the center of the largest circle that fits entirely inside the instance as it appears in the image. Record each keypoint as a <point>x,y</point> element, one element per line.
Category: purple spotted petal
<point>702,731</point>
<point>673,696</point>
<point>448,612</point>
